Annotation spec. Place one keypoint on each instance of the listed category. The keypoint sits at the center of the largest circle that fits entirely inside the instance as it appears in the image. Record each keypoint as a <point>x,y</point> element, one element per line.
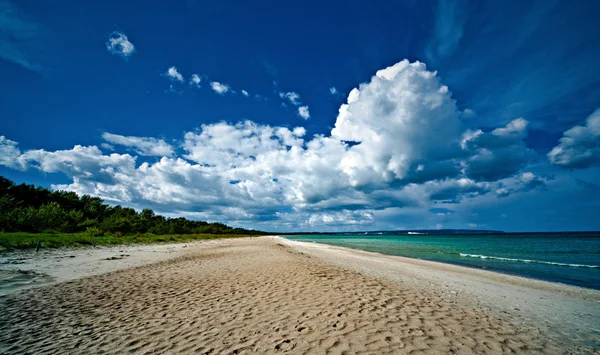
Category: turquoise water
<point>572,258</point>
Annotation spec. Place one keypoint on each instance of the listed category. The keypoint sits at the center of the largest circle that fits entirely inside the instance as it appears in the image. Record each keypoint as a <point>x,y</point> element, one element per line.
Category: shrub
<point>95,232</point>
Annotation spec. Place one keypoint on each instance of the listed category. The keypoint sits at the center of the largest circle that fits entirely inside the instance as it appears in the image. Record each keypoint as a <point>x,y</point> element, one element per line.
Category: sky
<point>310,116</point>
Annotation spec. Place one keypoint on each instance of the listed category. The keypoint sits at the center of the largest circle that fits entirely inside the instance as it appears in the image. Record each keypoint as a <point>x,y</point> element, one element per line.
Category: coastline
<point>568,259</point>
<point>446,266</point>
<point>272,295</point>
<point>568,311</point>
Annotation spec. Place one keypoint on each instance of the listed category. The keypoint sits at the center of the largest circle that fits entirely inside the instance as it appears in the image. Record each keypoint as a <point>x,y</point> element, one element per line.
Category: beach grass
<point>22,240</point>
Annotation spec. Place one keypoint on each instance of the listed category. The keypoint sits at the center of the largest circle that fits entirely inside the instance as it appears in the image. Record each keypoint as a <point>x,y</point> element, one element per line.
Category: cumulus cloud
<point>292,97</point>
<point>502,192</point>
<point>303,112</point>
<point>521,182</point>
<point>397,143</point>
<point>340,218</point>
<point>580,146</point>
<point>146,146</point>
<point>406,124</point>
<point>497,154</point>
<point>118,44</point>
<point>333,90</point>
<point>245,93</point>
<point>530,181</point>
<point>454,190</point>
<point>219,88</point>
<point>9,152</point>
<point>196,80</point>
<point>222,145</point>
<point>173,74</point>
<point>81,162</point>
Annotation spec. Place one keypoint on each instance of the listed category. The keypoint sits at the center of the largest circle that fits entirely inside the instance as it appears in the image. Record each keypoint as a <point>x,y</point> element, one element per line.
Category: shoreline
<point>553,277</point>
<point>271,295</point>
<point>568,311</point>
<point>488,273</point>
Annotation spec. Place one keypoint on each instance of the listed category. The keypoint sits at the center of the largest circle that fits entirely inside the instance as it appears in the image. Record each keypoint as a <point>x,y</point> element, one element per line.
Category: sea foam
<point>528,261</point>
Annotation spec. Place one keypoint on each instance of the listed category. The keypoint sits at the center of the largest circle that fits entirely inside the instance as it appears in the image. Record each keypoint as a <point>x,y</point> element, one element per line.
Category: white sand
<point>25,269</point>
<point>567,311</point>
<point>270,295</point>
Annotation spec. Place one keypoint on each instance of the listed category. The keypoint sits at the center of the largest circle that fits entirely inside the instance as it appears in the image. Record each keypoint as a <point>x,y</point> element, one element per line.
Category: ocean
<point>569,258</point>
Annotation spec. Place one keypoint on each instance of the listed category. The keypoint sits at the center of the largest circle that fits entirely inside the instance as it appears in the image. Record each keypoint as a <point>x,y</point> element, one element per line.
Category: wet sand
<point>269,295</point>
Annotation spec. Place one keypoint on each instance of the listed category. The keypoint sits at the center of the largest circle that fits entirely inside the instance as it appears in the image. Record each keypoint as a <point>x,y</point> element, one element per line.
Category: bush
<point>95,232</point>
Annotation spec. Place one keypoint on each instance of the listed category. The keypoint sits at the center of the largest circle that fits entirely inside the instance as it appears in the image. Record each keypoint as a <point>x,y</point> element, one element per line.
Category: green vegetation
<point>29,214</point>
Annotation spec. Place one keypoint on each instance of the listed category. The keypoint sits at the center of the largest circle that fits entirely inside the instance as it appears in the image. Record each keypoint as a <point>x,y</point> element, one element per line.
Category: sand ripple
<point>251,296</point>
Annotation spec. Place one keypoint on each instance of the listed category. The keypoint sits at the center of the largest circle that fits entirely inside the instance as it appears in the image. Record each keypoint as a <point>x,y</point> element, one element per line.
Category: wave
<point>528,261</point>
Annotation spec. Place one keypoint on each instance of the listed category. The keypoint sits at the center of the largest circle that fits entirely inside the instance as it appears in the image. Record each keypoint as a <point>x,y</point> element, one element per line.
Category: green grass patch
<point>23,240</point>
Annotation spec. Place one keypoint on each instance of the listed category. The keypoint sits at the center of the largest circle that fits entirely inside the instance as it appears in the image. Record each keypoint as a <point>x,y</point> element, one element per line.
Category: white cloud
<point>353,95</point>
<point>497,154</point>
<point>340,218</point>
<point>303,112</point>
<point>142,145</point>
<point>514,128</point>
<point>219,88</point>
<point>404,118</point>
<point>397,143</point>
<point>245,93</point>
<point>9,153</point>
<point>502,192</point>
<point>293,97</point>
<point>107,146</point>
<point>530,181</point>
<point>196,80</point>
<point>173,74</point>
<point>333,90</point>
<point>580,146</point>
<point>453,190</point>
<point>222,145</point>
<point>527,177</point>
<point>118,44</point>
<point>81,161</point>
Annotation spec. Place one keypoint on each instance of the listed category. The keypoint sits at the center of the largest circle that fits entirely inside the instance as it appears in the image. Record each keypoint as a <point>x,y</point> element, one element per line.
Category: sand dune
<point>254,296</point>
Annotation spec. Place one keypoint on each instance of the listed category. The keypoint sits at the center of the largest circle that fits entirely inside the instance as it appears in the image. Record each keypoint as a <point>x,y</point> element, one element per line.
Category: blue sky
<point>308,116</point>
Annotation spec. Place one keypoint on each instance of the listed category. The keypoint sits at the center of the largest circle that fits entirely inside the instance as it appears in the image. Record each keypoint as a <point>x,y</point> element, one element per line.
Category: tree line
<point>26,208</point>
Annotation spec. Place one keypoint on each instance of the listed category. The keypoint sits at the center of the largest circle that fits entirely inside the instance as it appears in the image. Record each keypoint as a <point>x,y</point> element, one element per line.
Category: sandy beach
<point>271,295</point>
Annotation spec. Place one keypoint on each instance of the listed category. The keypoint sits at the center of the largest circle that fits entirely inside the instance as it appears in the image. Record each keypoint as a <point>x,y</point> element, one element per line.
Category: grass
<point>22,240</point>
